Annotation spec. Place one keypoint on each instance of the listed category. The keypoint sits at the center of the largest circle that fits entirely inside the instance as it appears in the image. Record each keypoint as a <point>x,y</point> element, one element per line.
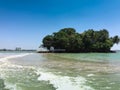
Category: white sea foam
<point>7,64</point>
<point>11,86</point>
<point>13,56</point>
<point>58,81</point>
<point>90,75</point>
<point>64,82</point>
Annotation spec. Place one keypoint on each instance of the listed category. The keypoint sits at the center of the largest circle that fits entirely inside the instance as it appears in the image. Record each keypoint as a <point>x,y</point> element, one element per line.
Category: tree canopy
<point>88,41</point>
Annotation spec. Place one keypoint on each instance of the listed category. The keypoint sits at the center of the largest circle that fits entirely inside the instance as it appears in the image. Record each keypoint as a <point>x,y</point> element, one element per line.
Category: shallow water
<point>82,71</point>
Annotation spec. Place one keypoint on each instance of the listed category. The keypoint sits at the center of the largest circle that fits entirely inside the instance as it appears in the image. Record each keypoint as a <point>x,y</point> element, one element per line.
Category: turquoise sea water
<point>59,71</point>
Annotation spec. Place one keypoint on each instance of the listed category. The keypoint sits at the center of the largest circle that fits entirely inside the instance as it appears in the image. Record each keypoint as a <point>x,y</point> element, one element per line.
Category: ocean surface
<point>59,71</point>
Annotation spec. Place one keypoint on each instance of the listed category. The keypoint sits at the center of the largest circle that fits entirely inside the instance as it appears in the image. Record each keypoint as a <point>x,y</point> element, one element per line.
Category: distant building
<point>52,49</point>
<point>18,49</point>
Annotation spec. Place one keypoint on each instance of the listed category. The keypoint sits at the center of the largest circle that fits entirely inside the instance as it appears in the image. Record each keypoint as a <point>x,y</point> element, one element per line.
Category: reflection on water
<point>32,71</point>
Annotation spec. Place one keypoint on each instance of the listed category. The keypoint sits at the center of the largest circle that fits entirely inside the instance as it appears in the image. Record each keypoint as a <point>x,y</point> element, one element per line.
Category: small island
<point>70,41</point>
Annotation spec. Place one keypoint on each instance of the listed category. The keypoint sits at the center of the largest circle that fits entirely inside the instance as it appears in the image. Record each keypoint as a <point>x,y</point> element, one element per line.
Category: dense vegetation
<point>88,41</point>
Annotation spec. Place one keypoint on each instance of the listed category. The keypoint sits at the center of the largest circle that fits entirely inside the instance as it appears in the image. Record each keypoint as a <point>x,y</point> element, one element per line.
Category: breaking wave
<point>14,56</point>
<point>59,82</point>
<point>64,82</point>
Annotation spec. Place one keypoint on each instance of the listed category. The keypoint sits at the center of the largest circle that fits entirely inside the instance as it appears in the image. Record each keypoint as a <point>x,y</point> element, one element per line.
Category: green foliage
<point>48,41</point>
<point>116,39</point>
<point>88,41</point>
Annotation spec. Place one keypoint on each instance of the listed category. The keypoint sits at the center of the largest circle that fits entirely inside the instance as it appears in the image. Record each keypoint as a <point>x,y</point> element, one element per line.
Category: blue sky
<point>24,23</point>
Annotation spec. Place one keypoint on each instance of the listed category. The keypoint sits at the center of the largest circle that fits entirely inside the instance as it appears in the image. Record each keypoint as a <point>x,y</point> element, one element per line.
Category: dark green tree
<point>116,39</point>
<point>48,41</point>
<point>88,41</point>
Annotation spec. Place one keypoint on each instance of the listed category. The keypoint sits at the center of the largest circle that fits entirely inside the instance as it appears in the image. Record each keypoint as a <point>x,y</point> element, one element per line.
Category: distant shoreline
<point>18,50</point>
<point>112,51</point>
